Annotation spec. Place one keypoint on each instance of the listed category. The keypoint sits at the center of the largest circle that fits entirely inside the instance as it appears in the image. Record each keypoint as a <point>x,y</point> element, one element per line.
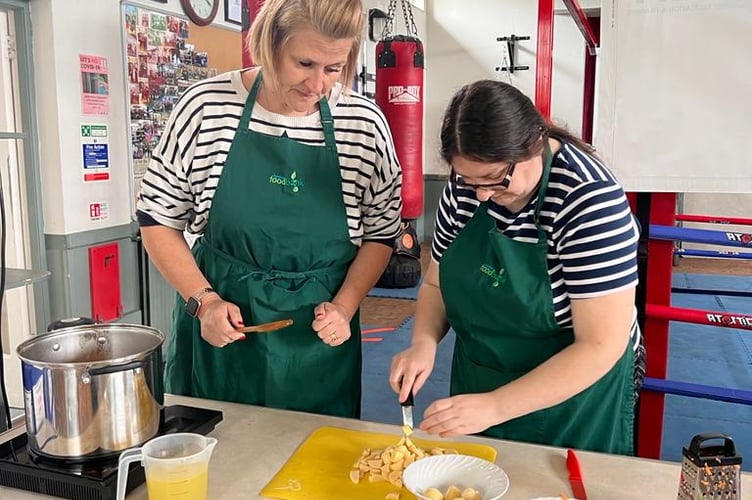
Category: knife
<point>407,410</point>
<point>575,476</point>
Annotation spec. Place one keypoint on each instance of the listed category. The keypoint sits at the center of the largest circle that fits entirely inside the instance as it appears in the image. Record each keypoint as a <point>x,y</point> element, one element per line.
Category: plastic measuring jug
<point>176,466</point>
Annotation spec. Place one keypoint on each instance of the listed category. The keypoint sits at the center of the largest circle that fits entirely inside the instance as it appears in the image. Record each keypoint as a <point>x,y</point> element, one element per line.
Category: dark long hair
<point>493,122</point>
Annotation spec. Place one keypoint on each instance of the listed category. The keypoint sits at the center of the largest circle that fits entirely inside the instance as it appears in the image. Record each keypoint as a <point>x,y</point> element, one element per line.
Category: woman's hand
<point>219,320</point>
<point>331,323</point>
<point>460,415</point>
<point>411,368</point>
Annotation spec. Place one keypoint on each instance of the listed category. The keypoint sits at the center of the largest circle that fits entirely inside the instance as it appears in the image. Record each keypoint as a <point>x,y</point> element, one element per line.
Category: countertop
<point>254,442</point>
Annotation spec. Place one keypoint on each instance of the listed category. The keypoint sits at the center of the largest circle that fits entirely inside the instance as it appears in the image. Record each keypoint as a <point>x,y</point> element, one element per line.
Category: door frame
<point>21,10</point>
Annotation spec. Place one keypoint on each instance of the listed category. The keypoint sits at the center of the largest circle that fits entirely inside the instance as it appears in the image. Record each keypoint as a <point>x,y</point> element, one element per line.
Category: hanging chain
<point>389,24</point>
<point>407,12</point>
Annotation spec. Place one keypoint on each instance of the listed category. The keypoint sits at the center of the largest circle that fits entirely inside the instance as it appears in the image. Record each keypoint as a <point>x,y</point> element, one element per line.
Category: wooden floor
<point>380,312</point>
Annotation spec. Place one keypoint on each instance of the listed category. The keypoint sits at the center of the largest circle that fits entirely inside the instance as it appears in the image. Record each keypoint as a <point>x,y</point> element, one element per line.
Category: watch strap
<point>202,293</point>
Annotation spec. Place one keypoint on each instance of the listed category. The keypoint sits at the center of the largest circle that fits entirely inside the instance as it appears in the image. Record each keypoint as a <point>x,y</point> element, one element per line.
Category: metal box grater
<point>710,471</point>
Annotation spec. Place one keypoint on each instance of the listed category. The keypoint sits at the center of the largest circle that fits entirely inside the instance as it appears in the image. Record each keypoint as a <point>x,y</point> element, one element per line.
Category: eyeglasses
<point>459,181</point>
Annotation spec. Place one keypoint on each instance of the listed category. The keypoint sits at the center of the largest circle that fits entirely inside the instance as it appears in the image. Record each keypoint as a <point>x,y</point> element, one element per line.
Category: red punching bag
<point>399,94</point>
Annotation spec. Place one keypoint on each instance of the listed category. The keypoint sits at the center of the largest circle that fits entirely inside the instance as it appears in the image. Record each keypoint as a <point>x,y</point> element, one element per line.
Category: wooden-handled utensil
<point>266,327</point>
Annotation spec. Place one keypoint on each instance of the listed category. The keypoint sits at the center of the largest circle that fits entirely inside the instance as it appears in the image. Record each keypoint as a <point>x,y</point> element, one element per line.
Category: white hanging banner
<point>674,110</point>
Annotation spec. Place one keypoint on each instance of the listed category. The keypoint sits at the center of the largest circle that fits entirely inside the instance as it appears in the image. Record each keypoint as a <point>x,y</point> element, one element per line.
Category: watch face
<point>191,307</point>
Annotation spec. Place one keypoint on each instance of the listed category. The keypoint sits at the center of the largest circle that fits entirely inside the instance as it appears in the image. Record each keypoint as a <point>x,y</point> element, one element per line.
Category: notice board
<point>674,104</point>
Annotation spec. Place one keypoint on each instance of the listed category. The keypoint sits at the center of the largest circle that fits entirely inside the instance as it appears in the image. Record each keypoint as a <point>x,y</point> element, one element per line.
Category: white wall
<point>63,29</point>
<point>462,47</point>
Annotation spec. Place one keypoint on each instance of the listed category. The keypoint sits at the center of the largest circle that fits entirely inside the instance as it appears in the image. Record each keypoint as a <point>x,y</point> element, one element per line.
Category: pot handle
<point>104,370</point>
<point>126,458</point>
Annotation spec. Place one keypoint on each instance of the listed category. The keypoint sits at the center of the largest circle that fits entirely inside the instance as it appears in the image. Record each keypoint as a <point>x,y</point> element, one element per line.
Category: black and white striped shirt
<point>592,235</point>
<point>178,187</point>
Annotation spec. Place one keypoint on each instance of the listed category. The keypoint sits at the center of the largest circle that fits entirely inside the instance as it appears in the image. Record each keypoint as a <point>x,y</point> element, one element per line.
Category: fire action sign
<point>95,153</point>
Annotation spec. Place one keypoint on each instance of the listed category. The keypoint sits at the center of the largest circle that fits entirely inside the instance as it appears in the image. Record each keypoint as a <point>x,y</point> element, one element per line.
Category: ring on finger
<point>333,337</point>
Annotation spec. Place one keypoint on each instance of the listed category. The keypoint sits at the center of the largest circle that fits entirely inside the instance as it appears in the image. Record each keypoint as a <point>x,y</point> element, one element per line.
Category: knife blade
<point>407,410</point>
<point>575,476</point>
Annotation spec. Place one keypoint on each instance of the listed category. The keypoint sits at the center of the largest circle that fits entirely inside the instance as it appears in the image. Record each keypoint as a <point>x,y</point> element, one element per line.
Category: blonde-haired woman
<point>292,183</point>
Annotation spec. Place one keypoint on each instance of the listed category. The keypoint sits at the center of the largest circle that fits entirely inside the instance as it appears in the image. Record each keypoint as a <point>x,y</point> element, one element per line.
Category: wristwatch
<point>194,303</point>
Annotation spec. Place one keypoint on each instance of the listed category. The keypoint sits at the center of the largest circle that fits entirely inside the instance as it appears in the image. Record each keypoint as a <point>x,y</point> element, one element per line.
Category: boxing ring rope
<point>698,391</point>
<point>657,311</point>
<point>707,236</point>
<point>709,219</point>
<point>720,254</point>
<point>700,317</point>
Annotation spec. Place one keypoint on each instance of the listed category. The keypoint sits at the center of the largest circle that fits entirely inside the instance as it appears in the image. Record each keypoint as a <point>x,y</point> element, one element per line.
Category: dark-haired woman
<point>534,267</point>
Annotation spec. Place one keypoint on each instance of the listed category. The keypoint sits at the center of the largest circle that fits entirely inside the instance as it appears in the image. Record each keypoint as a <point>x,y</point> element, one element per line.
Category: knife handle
<point>409,400</point>
<point>573,465</point>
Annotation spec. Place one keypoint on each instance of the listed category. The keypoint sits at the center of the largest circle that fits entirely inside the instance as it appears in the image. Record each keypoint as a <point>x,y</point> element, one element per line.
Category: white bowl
<point>462,471</point>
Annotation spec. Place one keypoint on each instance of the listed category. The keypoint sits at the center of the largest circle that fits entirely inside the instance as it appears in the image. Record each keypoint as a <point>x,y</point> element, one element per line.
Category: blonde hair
<point>278,20</point>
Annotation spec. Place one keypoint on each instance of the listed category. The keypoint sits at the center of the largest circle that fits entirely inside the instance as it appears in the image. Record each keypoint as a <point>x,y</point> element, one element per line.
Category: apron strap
<point>245,118</point>
<point>547,161</point>
<point>327,122</point>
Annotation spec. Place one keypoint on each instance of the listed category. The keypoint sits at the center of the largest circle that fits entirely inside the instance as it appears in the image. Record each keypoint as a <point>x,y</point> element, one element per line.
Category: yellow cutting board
<point>320,468</point>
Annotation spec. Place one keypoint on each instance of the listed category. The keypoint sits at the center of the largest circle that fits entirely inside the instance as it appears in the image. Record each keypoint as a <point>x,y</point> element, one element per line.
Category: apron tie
<point>255,273</point>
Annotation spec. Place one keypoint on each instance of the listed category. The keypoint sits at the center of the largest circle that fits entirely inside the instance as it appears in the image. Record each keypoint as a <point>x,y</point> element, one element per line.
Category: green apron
<point>276,245</point>
<point>498,299</point>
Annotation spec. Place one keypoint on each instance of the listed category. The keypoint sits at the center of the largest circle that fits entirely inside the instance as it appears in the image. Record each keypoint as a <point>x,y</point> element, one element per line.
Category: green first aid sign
<point>93,130</point>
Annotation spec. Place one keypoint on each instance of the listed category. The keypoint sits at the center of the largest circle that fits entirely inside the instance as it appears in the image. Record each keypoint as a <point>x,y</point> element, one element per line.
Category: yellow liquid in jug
<point>194,487</point>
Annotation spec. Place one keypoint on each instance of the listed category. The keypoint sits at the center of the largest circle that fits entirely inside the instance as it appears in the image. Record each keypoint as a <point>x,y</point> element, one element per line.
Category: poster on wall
<point>95,154</point>
<point>95,87</point>
<point>161,66</point>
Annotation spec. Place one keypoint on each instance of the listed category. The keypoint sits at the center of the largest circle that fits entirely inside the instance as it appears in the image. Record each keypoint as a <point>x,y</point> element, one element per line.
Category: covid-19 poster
<point>95,87</point>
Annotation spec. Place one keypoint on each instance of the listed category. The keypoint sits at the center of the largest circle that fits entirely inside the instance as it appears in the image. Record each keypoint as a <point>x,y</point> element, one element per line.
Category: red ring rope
<point>711,219</point>
<point>711,318</point>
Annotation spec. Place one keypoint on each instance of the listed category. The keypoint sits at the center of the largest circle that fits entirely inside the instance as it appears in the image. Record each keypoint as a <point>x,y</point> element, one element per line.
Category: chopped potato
<point>453,493</point>
<point>394,495</point>
<point>470,494</point>
<point>355,475</point>
<point>389,464</point>
<point>433,494</point>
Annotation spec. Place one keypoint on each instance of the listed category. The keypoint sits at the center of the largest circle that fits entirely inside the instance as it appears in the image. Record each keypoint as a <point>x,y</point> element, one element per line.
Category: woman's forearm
<point>172,256</point>
<point>365,270</point>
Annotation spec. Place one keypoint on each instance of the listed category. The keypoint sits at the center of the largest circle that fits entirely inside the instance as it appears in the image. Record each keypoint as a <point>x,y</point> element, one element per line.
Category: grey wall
<point>68,261</point>
<point>433,185</point>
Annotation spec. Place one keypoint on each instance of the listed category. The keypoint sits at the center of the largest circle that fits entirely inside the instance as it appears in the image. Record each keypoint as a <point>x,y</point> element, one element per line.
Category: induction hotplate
<point>20,468</point>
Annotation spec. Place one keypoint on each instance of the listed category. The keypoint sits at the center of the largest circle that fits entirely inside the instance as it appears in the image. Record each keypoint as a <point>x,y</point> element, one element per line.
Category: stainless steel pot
<point>92,391</point>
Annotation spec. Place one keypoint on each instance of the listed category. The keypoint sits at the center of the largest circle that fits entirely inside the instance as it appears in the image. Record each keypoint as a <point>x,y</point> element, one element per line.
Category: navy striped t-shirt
<point>591,233</point>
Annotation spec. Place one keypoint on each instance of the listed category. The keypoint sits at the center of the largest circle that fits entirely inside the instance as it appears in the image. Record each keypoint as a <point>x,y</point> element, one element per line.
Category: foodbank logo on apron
<point>497,276</point>
<point>292,181</point>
